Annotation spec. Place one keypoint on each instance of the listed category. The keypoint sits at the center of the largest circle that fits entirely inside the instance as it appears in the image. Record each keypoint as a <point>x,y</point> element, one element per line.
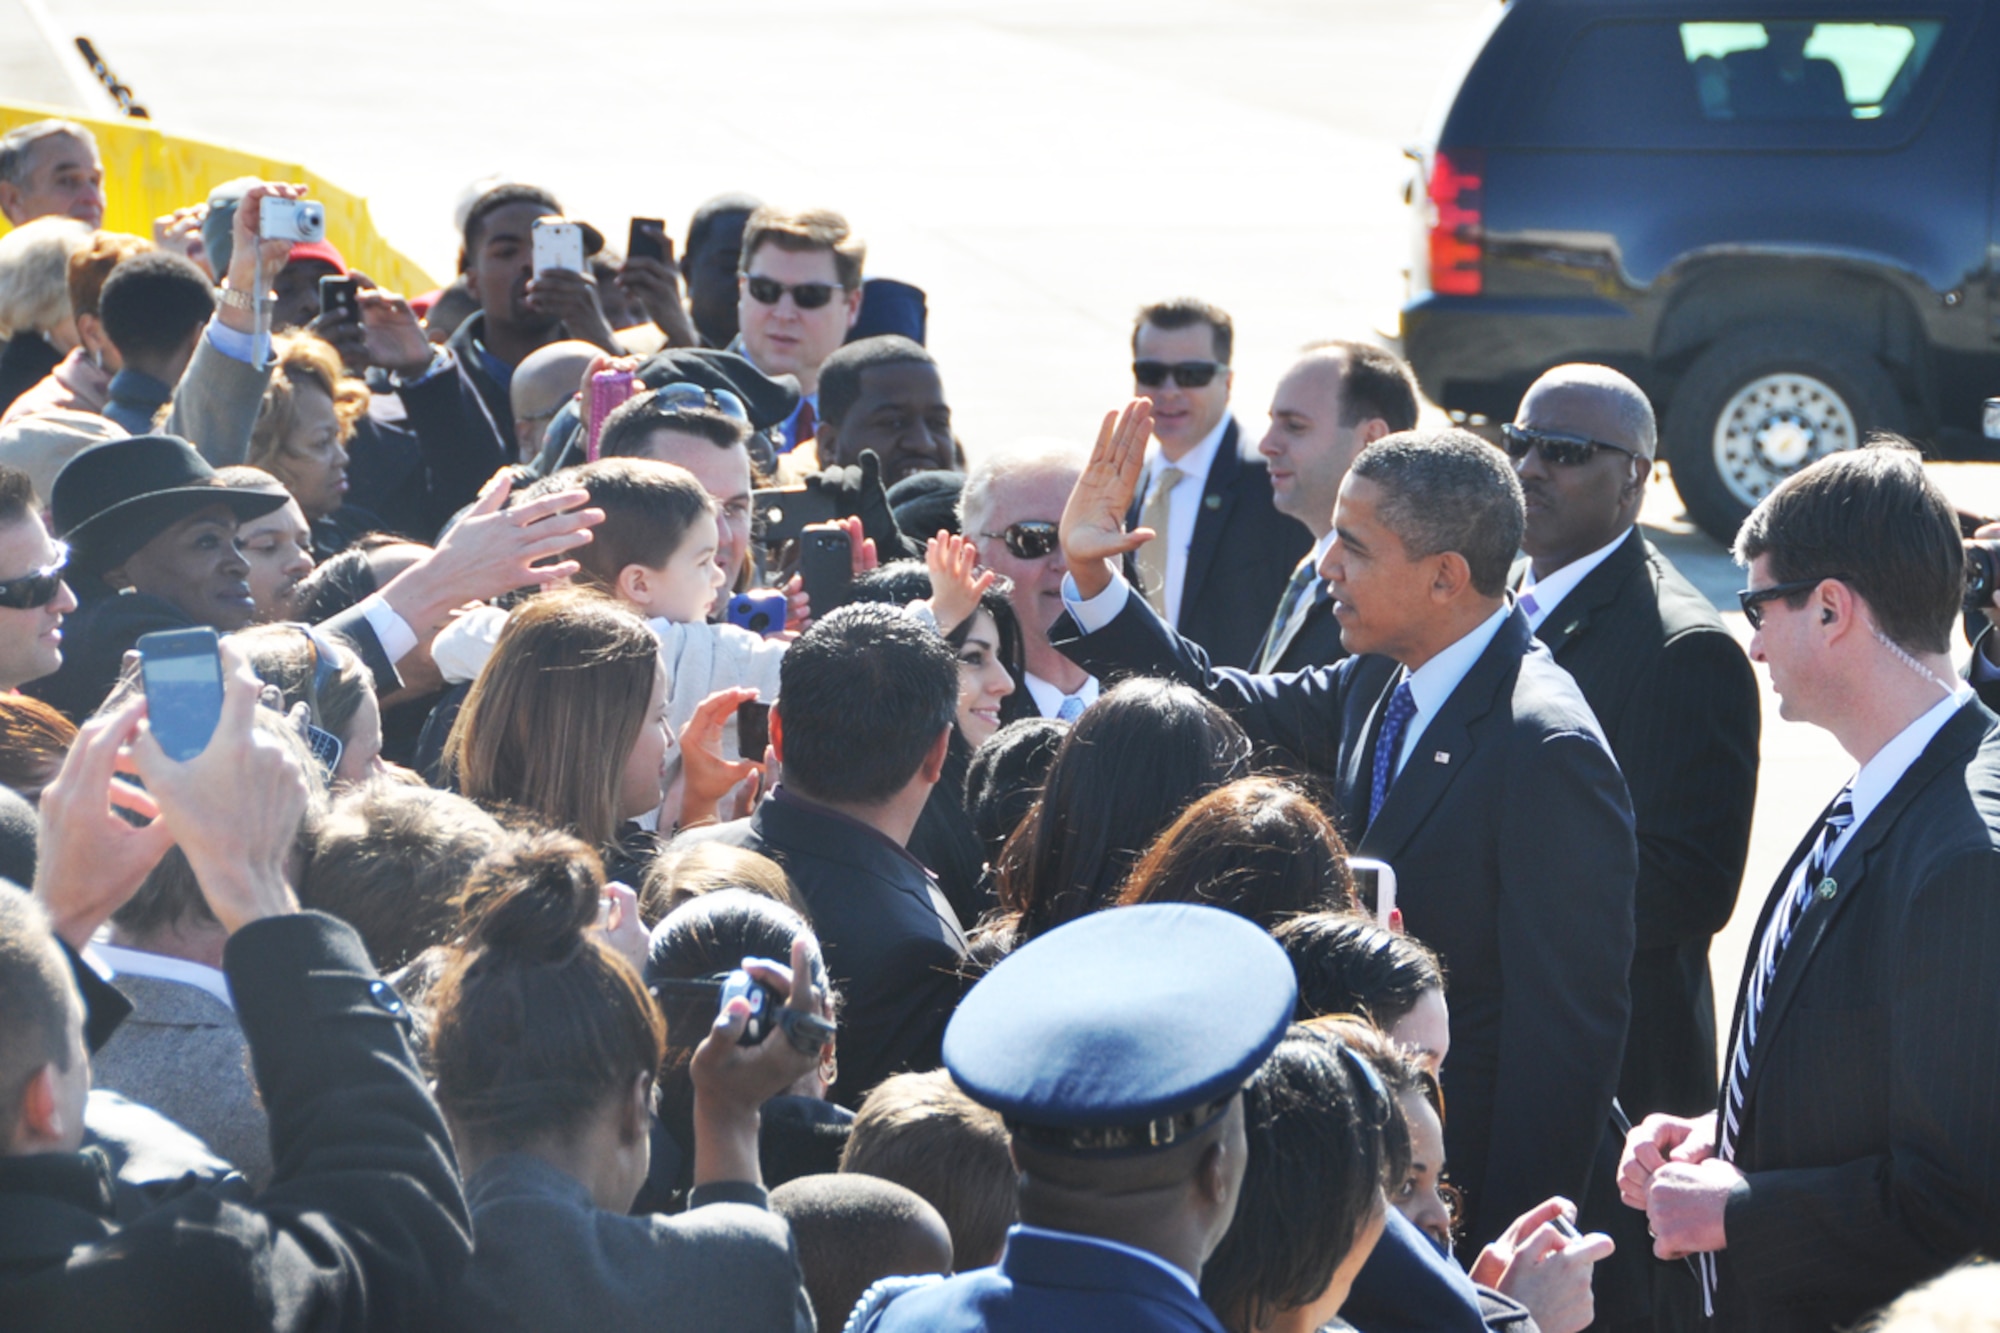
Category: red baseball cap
<point>320,250</point>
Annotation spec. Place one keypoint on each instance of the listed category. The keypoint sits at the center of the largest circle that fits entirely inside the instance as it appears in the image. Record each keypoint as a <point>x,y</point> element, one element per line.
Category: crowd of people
<point>685,840</point>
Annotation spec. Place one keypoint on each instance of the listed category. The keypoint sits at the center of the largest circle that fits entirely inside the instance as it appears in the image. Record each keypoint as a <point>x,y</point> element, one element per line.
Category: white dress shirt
<point>1049,697</point>
<point>1433,682</point>
<point>1560,583</point>
<point>1183,506</point>
<point>1886,768</point>
<point>113,961</point>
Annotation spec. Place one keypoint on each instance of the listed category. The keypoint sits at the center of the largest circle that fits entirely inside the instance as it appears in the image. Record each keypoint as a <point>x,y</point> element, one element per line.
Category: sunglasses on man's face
<point>1028,541</point>
<point>1557,448</point>
<point>805,295</point>
<point>37,587</point>
<point>1187,374</point>
<point>1754,600</point>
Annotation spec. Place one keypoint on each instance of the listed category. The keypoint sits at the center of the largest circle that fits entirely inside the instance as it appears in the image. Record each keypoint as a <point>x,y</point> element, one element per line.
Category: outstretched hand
<point>1094,538</point>
<point>957,582</point>
<point>92,859</point>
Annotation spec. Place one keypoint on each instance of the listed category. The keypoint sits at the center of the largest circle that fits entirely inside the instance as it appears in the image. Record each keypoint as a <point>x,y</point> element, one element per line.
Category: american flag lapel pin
<point>1441,757</point>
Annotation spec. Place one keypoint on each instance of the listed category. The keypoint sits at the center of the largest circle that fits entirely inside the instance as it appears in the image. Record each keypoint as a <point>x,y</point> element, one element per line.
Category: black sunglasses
<point>1560,449</point>
<point>37,587</point>
<point>1187,374</point>
<point>1753,600</point>
<point>807,295</point>
<point>1029,541</point>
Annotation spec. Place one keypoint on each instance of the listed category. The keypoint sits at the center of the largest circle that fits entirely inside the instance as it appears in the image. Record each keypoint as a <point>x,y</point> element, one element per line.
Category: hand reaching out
<point>91,860</point>
<point>1093,521</point>
<point>957,582</point>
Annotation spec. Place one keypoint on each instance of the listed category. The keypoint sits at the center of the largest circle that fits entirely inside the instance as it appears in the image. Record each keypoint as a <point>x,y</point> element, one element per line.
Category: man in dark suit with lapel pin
<point>1678,705</point>
<point>1223,553</point>
<point>1339,398</point>
<point>1462,755</point>
<point>1854,1151</point>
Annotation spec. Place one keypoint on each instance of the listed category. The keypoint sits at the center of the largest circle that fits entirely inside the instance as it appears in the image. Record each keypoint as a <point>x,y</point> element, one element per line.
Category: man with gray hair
<point>1008,511</point>
<point>51,168</point>
<point>1678,704</point>
<point>1459,753</point>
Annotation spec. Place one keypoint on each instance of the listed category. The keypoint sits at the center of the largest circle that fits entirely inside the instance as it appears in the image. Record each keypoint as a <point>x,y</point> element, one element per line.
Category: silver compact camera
<point>291,220</point>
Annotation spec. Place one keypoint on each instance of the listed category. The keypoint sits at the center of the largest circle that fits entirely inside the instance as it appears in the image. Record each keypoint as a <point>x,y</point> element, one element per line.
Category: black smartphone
<point>337,298</point>
<point>182,671</point>
<point>781,514</point>
<point>753,729</point>
<point>826,562</point>
<point>648,239</point>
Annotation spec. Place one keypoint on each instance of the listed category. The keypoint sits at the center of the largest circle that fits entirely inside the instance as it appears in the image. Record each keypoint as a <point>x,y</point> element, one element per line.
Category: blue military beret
<point>1123,1019</point>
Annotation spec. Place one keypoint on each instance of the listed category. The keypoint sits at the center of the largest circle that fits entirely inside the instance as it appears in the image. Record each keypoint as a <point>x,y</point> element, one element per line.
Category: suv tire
<point>1759,404</point>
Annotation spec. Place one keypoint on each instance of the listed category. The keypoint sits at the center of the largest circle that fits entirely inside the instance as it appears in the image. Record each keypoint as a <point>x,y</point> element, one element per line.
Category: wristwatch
<point>229,296</point>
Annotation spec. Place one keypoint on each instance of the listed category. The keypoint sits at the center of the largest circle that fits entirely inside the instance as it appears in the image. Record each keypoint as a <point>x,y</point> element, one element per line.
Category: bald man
<point>546,379</point>
<point>1678,703</point>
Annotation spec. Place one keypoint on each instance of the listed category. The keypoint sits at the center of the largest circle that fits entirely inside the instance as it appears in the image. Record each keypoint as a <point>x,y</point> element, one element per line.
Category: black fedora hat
<point>114,497</point>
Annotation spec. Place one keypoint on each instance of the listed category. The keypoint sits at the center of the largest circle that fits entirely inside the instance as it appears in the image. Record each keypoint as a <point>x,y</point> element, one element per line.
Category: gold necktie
<point>1158,515</point>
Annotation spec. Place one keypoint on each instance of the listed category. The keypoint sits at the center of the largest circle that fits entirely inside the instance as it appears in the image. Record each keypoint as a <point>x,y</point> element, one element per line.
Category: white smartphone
<point>1374,886</point>
<point>557,244</point>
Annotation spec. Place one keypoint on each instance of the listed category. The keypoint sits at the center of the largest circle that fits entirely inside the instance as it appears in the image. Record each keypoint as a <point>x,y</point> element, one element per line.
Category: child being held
<point>656,552</point>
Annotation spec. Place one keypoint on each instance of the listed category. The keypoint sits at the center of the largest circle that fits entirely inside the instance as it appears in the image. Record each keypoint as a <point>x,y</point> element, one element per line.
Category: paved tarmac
<point>1041,168</point>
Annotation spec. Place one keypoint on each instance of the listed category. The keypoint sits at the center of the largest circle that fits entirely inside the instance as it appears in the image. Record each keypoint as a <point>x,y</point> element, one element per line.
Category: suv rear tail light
<point>1457,241</point>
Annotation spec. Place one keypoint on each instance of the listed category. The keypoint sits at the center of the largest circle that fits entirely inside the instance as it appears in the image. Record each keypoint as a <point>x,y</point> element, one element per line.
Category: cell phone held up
<point>783,512</point>
<point>340,299</point>
<point>182,674</point>
<point>648,239</point>
<point>556,243</point>
<point>826,564</point>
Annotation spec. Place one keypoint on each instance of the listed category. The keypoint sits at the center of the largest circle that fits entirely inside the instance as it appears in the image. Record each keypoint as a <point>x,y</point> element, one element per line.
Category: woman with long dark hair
<point>1140,755</point>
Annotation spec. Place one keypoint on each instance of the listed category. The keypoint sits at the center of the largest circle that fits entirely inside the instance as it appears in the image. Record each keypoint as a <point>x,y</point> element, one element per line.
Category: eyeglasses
<point>37,587</point>
<point>806,295</point>
<point>1187,374</point>
<point>1753,600</point>
<point>1557,448</point>
<point>683,395</point>
<point>1033,540</point>
<point>326,747</point>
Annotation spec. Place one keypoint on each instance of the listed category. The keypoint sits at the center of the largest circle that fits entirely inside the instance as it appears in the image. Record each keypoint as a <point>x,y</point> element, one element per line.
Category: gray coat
<point>544,1257</point>
<point>183,1054</point>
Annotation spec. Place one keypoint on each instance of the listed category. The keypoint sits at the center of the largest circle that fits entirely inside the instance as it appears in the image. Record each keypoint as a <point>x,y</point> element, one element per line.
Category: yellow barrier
<point>148,173</point>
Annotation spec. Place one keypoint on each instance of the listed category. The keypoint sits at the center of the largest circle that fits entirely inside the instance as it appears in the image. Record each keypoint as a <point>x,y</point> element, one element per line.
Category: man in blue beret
<point>1117,1048</point>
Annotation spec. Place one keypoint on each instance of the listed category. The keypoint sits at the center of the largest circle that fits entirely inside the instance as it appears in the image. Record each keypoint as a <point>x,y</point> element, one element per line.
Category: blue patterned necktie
<point>1770,952</point>
<point>1395,719</point>
<point>1071,708</point>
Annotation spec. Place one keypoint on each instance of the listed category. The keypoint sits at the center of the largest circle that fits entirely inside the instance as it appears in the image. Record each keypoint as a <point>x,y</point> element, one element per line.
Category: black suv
<point>1781,219</point>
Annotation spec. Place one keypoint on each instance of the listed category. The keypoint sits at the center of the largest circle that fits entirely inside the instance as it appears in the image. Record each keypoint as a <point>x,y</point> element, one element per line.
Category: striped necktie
<point>1778,934</point>
<point>1304,579</point>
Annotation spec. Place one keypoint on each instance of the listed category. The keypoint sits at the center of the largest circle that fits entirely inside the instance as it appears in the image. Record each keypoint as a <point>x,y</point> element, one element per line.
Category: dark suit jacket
<point>891,955</point>
<point>1052,1285</point>
<point>1511,835</point>
<point>545,1257</point>
<point>1678,703</point>
<point>364,1225</point>
<point>1869,1135</point>
<point>1240,555</point>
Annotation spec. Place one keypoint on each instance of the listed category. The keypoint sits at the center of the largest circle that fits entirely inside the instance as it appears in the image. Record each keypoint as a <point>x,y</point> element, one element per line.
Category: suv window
<point>1730,83</point>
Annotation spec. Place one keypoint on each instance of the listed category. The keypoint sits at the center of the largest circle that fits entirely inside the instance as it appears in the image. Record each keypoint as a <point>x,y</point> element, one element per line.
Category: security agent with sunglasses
<point>799,294</point>
<point>1853,1151</point>
<point>1223,553</point>
<point>1457,751</point>
<point>1678,705</point>
<point>1117,1048</point>
<point>33,596</point>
